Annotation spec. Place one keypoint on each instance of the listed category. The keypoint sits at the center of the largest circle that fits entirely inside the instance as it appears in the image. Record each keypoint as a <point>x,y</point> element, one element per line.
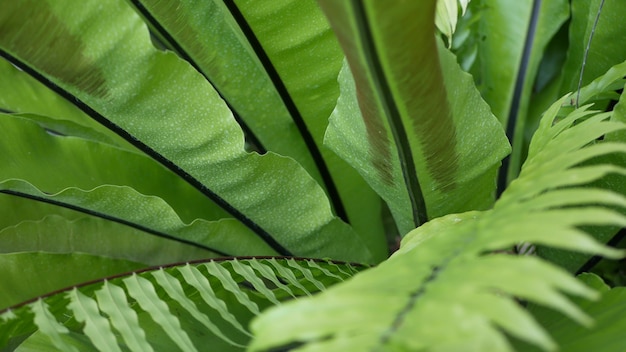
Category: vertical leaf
<point>403,118</point>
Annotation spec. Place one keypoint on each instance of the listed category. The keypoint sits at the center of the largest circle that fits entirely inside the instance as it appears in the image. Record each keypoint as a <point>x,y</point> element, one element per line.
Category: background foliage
<point>184,175</point>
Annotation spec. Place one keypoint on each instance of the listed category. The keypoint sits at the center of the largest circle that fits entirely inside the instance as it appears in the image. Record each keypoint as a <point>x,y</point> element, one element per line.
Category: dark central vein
<point>291,107</point>
<point>506,168</point>
<point>176,47</point>
<point>236,213</point>
<point>391,111</point>
<point>115,219</point>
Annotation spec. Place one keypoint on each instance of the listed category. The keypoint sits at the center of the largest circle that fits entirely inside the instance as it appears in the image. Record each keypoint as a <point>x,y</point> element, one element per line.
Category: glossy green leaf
<point>290,77</point>
<point>20,93</point>
<point>510,48</point>
<point>54,163</point>
<point>171,113</point>
<point>149,214</point>
<point>27,275</point>
<point>429,138</point>
<point>96,236</point>
<point>605,50</point>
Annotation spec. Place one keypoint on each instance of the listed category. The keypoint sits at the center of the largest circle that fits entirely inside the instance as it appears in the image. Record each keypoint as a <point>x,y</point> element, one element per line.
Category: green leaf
<point>27,275</point>
<point>175,290</point>
<point>172,114</point>
<point>113,302</point>
<point>412,139</point>
<point>291,77</point>
<point>506,76</point>
<point>143,291</point>
<point>149,214</point>
<point>605,49</point>
<point>95,236</point>
<point>20,93</point>
<point>195,278</point>
<point>97,327</point>
<point>461,287</point>
<point>158,303</point>
<point>606,334</point>
<point>50,327</point>
<point>29,153</point>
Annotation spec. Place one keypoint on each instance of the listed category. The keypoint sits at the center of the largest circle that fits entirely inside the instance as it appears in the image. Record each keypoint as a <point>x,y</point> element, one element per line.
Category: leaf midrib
<point>392,113</point>
<point>194,182</point>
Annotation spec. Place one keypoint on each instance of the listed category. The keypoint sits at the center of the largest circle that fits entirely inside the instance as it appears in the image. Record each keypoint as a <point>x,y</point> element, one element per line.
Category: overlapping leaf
<point>411,121</point>
<point>290,75</point>
<point>446,288</point>
<point>606,334</point>
<point>184,307</point>
<point>99,56</point>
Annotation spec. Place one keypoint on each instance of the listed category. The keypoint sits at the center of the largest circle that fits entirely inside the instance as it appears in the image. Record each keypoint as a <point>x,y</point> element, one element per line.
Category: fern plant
<point>234,174</point>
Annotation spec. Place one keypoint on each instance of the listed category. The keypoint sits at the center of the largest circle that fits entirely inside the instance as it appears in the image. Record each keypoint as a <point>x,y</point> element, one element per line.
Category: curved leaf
<point>448,287</point>
<point>113,302</point>
<point>149,214</point>
<point>170,296</point>
<point>172,114</point>
<point>54,163</point>
<point>91,235</point>
<point>290,76</point>
<point>20,93</point>
<point>27,275</point>
<point>411,139</point>
<point>608,314</point>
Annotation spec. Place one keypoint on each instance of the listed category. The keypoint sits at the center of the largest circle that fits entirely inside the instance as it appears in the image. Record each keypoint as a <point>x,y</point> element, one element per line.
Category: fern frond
<point>608,313</point>
<point>182,307</point>
<point>450,286</point>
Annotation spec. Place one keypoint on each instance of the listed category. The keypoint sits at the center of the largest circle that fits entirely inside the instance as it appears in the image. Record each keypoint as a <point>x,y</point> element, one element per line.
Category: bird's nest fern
<point>452,284</point>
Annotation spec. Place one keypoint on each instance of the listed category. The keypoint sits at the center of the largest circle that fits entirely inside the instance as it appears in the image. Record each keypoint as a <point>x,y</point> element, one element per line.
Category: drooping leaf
<point>450,286</point>
<point>172,114</point>
<point>403,118</point>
